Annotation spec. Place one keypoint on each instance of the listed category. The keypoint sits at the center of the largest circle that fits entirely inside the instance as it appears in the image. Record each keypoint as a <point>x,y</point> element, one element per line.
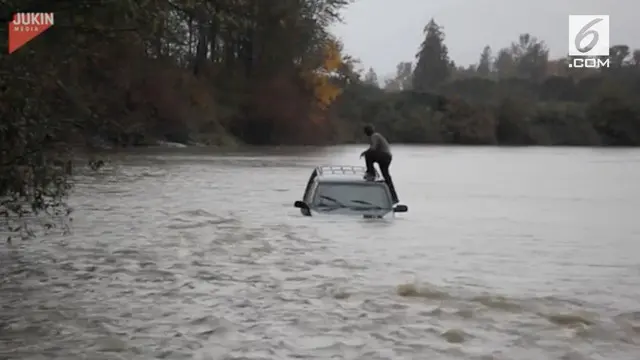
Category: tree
<point>530,57</point>
<point>618,55</point>
<point>504,64</point>
<point>402,79</point>
<point>636,58</point>
<point>484,65</point>
<point>404,73</point>
<point>433,65</point>
<point>371,78</point>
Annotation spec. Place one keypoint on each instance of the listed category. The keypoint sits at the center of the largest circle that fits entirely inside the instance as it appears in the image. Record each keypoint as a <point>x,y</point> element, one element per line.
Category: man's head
<point>368,130</point>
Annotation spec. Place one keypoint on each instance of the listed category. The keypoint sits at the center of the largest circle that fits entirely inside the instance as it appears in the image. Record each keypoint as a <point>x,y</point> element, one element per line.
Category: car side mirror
<point>400,208</point>
<point>300,205</point>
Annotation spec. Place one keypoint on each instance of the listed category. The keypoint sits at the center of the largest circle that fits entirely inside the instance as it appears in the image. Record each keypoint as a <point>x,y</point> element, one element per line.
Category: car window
<point>352,195</point>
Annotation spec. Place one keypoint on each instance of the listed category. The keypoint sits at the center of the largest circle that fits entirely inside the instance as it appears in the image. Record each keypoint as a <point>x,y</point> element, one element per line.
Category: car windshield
<point>355,196</point>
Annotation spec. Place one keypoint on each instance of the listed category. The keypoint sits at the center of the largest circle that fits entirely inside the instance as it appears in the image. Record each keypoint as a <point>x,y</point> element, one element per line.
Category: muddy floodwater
<point>505,254</point>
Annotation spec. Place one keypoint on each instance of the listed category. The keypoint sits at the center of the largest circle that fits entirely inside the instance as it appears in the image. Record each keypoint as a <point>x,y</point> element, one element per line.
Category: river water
<point>505,253</point>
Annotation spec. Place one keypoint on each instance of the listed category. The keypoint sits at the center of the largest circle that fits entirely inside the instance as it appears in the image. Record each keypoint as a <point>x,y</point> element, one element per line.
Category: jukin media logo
<point>26,26</point>
<point>588,41</point>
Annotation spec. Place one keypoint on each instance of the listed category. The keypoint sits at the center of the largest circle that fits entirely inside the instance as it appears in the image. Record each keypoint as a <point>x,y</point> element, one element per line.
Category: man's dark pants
<point>384,161</point>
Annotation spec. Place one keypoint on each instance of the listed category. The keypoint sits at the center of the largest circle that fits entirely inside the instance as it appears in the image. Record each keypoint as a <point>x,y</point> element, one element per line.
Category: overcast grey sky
<point>382,33</point>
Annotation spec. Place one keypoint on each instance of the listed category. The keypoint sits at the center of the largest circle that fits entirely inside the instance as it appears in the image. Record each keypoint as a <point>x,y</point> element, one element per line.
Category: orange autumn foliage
<point>321,80</point>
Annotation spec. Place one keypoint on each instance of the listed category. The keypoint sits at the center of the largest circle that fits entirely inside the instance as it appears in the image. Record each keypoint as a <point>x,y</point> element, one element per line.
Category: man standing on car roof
<point>378,152</point>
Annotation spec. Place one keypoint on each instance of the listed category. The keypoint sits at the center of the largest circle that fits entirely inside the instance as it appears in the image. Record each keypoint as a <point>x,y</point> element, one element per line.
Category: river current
<point>505,254</point>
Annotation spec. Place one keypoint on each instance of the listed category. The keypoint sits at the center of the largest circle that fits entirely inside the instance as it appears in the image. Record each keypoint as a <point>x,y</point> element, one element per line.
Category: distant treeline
<point>518,97</point>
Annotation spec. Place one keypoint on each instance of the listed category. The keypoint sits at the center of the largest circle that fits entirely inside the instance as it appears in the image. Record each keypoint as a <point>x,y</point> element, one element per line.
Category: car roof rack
<point>342,170</point>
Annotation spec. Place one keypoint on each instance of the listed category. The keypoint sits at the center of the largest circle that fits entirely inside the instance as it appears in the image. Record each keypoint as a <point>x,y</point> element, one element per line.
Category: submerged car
<point>343,190</point>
